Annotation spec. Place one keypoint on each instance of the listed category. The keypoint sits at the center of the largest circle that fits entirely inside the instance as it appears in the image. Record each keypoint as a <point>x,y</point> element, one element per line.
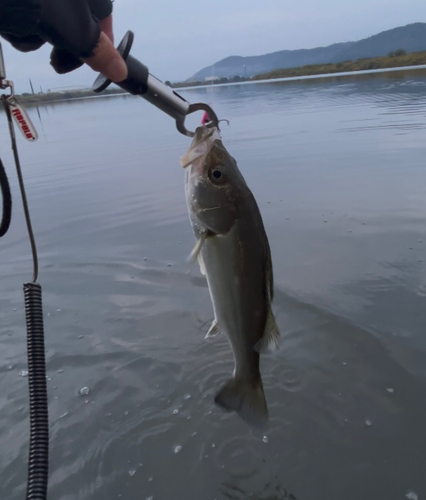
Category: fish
<point>234,255</point>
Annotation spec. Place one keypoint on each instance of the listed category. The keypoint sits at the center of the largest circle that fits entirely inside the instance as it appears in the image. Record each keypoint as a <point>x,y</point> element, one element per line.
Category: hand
<point>80,32</point>
<point>105,57</point>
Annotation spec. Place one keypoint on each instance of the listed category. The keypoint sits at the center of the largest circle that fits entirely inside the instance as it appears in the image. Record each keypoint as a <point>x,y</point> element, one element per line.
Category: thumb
<point>107,60</point>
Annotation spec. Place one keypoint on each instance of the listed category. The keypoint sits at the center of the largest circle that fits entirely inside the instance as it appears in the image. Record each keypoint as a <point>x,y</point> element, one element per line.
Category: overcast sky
<point>176,39</point>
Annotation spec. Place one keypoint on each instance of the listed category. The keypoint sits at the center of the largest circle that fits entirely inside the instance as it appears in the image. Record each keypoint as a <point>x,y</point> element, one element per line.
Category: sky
<point>177,39</point>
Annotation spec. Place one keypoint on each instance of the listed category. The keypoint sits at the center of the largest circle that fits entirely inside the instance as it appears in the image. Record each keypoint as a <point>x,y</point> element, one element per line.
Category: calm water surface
<point>338,169</point>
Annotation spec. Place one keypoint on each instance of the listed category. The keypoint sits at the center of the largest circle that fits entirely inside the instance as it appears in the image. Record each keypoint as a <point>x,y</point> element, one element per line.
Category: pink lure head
<point>206,118</point>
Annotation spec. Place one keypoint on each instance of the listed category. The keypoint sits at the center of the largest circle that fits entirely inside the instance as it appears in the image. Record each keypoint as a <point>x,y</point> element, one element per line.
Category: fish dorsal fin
<point>269,275</point>
<point>271,333</point>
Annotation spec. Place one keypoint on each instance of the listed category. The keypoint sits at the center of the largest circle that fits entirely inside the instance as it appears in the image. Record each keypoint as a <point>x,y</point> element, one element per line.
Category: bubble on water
<point>368,423</point>
<point>150,498</point>
<point>58,310</point>
<point>346,420</point>
<point>15,309</point>
<point>177,449</point>
<point>175,411</point>
<point>10,367</point>
<point>84,391</point>
<point>344,363</point>
<point>132,472</point>
<point>150,479</point>
<point>48,378</point>
<point>194,433</point>
<point>187,396</point>
<point>23,373</point>
<point>63,415</point>
<point>265,439</point>
<point>411,495</point>
<point>213,445</point>
<point>81,336</point>
<point>391,390</point>
<point>60,370</point>
<point>48,315</point>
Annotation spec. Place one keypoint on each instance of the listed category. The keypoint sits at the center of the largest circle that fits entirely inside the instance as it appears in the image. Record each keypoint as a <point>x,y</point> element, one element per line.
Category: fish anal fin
<point>271,335</point>
<point>213,330</point>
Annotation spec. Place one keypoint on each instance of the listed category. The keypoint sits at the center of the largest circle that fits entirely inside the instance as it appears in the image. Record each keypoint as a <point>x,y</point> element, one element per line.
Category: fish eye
<point>217,175</point>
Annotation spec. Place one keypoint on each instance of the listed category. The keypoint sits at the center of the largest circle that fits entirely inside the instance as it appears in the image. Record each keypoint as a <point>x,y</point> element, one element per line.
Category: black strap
<point>7,201</point>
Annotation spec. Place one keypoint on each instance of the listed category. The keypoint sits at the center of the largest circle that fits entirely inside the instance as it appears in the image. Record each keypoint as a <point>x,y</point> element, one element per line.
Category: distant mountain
<point>411,38</point>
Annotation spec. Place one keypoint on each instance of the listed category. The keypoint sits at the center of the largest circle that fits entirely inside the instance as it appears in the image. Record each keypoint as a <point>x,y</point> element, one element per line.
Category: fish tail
<point>246,398</point>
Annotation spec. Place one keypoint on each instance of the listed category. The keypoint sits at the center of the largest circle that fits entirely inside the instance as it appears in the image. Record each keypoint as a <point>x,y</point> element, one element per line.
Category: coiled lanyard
<point>38,460</point>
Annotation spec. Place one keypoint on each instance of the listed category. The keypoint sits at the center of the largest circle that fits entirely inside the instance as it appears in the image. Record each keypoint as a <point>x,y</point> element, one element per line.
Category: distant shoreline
<point>372,63</point>
<point>361,66</point>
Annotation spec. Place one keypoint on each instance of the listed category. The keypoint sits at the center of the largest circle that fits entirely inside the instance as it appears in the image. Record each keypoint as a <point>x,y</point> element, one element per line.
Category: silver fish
<point>233,252</point>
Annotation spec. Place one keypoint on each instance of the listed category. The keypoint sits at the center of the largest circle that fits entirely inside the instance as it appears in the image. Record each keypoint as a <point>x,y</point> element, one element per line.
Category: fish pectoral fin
<point>213,330</point>
<point>246,399</point>
<point>196,251</point>
<point>271,335</point>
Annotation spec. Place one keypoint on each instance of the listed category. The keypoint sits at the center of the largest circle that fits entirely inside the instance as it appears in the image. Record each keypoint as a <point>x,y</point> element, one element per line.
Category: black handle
<point>136,82</point>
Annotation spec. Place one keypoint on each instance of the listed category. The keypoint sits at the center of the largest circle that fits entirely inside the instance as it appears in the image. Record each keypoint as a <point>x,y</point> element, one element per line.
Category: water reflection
<point>337,168</point>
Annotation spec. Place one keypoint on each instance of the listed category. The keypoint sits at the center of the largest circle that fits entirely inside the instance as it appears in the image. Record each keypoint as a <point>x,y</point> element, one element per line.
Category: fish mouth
<point>215,207</point>
<point>211,208</point>
<point>187,159</point>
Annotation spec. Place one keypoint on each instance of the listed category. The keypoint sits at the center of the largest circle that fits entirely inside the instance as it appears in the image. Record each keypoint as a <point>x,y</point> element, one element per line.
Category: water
<point>337,167</point>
